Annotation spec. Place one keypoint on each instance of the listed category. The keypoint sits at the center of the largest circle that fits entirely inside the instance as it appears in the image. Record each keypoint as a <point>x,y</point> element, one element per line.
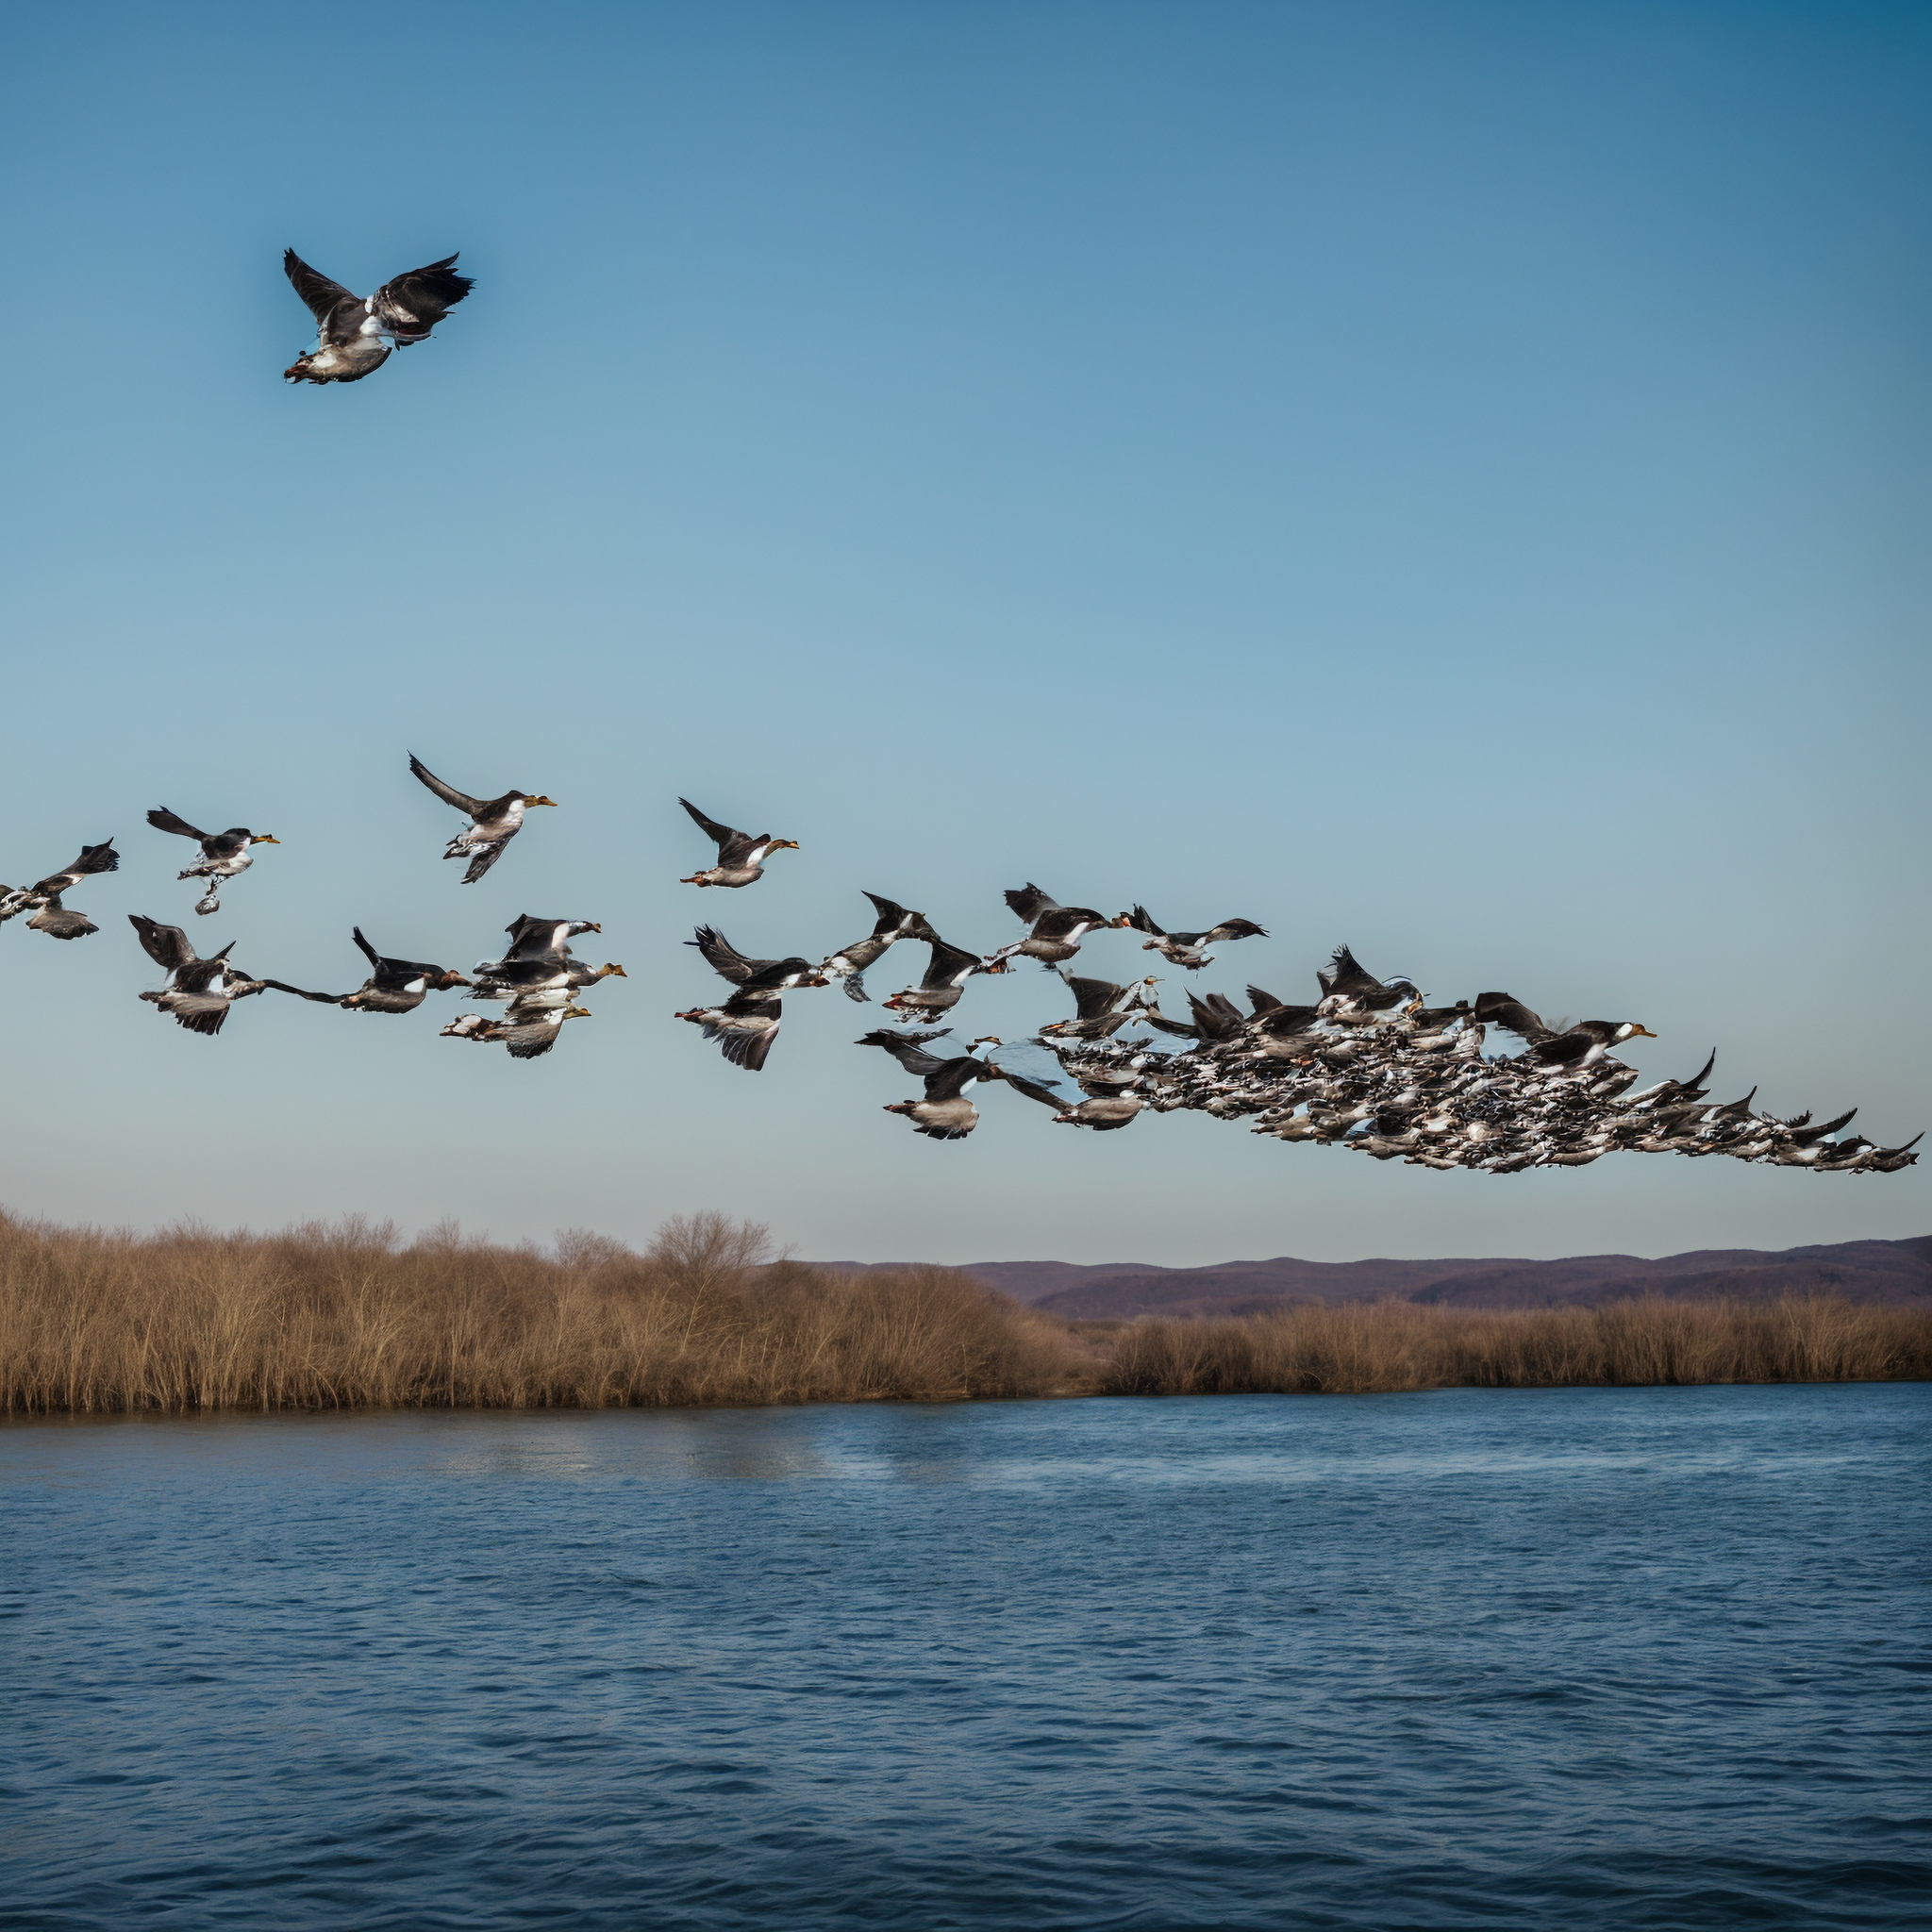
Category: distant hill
<point>1859,1271</point>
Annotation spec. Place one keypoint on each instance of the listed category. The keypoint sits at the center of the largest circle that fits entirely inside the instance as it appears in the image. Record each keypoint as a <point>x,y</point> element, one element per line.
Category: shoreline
<point>342,1317</point>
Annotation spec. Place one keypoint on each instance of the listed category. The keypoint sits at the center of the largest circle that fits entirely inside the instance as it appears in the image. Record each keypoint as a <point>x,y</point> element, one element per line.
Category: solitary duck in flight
<point>741,858</point>
<point>223,854</point>
<point>357,333</point>
<point>493,822</point>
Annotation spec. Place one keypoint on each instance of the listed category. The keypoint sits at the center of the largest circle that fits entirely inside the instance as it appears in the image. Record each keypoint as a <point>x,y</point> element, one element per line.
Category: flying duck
<point>1055,932</point>
<point>944,1113</point>
<point>946,974</point>
<point>1105,1110</point>
<point>1185,948</point>
<point>393,986</point>
<point>537,979</point>
<point>530,1031</point>
<point>757,975</point>
<point>1351,993</point>
<point>199,991</point>
<point>43,899</point>
<point>539,939</point>
<point>746,1026</point>
<point>848,965</point>
<point>1217,1017</point>
<point>493,822</point>
<point>223,854</point>
<point>1574,1049</point>
<point>357,334</point>
<point>741,858</point>
<point>1098,1012</point>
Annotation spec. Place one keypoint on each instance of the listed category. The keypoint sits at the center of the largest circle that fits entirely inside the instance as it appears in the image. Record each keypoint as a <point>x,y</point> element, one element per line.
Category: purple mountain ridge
<point>1869,1271</point>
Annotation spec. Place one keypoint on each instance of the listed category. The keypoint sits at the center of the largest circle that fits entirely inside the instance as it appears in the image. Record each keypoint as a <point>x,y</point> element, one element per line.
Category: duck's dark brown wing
<point>1141,920</point>
<point>412,304</point>
<point>448,793</point>
<point>1501,1009</point>
<point>1346,974</point>
<point>1029,902</point>
<point>337,311</point>
<point>945,961</point>
<point>1056,922</point>
<point>166,946</point>
<point>724,958</point>
<point>486,856</point>
<point>947,1080</point>
<point>771,974</point>
<point>908,1049</point>
<point>1093,997</point>
<point>321,999</point>
<point>891,915</point>
<point>93,859</point>
<point>162,819</point>
<point>1033,1089</point>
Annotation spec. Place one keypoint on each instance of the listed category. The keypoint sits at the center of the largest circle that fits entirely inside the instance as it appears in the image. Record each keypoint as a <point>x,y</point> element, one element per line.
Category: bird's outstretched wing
<point>1093,997</point>
<point>945,961</point>
<point>368,952</point>
<point>448,793</point>
<point>315,289</point>
<point>1501,1009</point>
<point>908,1049</point>
<point>412,304</point>
<point>93,859</point>
<point>1033,1089</point>
<point>732,845</point>
<point>166,946</point>
<point>1029,902</point>
<point>486,856</point>
<point>719,835</point>
<point>722,956</point>
<point>1141,920</point>
<point>323,999</point>
<point>891,913</point>
<point>162,819</point>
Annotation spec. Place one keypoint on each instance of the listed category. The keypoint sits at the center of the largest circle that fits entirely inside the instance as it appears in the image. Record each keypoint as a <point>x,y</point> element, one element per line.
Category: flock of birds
<point>536,981</point>
<point>1369,1065</point>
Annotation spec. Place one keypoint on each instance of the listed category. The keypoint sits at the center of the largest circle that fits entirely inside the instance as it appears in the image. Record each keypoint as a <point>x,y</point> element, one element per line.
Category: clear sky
<point>1447,478</point>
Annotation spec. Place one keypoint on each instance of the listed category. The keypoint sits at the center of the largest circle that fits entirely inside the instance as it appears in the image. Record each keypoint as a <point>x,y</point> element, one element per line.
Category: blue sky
<point>1451,479</point>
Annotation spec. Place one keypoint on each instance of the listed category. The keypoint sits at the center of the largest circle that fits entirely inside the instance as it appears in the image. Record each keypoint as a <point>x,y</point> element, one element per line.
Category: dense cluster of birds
<point>1369,1065</point>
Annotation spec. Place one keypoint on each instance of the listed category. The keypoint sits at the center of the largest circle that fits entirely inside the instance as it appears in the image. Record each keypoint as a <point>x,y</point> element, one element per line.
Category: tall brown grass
<point>346,1315</point>
<point>1389,1346</point>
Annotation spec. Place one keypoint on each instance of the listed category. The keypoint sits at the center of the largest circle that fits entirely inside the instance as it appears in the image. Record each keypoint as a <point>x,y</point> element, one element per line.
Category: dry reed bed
<point>347,1316</point>
<point>1384,1347</point>
<point>344,1316</point>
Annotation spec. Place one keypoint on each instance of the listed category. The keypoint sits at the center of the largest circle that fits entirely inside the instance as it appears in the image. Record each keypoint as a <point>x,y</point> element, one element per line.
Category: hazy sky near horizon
<point>1450,479</point>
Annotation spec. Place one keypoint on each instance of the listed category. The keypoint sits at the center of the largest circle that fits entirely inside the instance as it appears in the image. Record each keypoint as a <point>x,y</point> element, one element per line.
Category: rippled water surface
<point>1579,1659</point>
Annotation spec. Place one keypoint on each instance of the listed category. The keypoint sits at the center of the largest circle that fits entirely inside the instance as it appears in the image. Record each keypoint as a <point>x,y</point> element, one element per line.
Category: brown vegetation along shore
<point>347,1316</point>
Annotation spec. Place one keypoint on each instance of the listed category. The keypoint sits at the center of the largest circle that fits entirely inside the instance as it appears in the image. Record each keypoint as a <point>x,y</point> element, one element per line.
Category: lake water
<point>1579,1659</point>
